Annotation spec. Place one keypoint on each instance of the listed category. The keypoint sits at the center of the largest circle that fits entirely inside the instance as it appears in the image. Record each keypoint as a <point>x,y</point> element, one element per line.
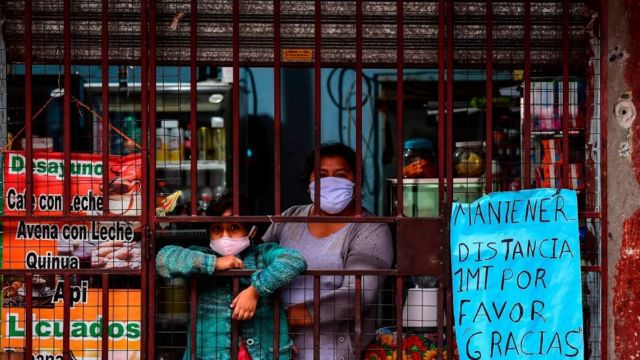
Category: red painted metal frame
<point>28,105</point>
<point>399,107</point>
<point>193,108</point>
<point>66,320</point>
<point>526,126</point>
<point>399,330</point>
<point>234,323</point>
<point>28,79</point>
<point>105,317</point>
<point>489,95</point>
<point>358,174</point>
<point>358,316</point>
<point>105,161</point>
<point>449,134</point>
<point>147,278</point>
<point>566,16</point>
<point>604,265</point>
<point>236,107</point>
<point>316,317</point>
<point>277,170</point>
<point>442,143</point>
<point>67,169</point>
<point>445,146</point>
<point>276,324</point>
<point>441,104</point>
<point>28,316</point>
<point>317,109</point>
<point>105,97</point>
<point>193,316</point>
<point>151,215</point>
<point>66,193</point>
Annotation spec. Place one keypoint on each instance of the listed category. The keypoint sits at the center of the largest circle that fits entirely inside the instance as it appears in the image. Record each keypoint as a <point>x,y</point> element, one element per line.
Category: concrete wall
<point>623,168</point>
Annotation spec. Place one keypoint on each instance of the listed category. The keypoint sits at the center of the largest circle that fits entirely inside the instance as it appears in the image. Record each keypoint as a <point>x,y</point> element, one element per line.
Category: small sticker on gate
<point>297,55</point>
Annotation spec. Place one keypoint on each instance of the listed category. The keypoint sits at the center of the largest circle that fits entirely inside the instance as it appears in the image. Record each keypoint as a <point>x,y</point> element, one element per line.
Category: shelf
<point>458,180</point>
<point>556,133</point>
<point>185,165</point>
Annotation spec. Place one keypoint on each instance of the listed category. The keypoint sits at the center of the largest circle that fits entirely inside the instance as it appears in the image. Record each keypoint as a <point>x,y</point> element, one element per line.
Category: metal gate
<point>538,43</point>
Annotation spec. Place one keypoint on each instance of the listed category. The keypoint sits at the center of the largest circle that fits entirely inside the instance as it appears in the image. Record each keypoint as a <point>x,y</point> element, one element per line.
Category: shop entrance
<point>186,99</point>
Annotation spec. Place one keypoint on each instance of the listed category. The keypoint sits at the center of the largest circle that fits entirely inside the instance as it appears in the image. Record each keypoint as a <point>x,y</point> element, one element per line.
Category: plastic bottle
<point>162,144</point>
<point>218,139</point>
<point>129,129</point>
<point>176,144</point>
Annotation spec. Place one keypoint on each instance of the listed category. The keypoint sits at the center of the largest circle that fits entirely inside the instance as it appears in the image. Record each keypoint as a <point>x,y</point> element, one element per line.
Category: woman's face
<point>227,229</point>
<point>334,166</point>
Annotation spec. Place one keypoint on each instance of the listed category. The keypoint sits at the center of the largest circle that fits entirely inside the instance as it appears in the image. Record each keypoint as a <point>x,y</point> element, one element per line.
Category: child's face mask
<point>231,245</point>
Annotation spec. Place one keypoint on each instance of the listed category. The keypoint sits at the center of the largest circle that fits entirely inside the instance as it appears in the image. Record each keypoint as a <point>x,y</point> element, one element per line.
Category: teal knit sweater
<point>275,267</point>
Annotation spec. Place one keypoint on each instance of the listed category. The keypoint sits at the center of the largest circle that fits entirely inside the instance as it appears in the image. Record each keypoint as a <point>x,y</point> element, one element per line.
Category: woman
<point>332,246</point>
<point>231,248</point>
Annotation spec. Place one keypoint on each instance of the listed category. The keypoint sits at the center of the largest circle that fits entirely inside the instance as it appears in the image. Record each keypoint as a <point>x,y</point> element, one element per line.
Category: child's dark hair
<point>329,150</point>
<point>224,202</point>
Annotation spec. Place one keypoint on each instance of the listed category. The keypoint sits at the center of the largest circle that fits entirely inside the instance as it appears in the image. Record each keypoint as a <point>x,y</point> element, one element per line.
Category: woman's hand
<point>299,316</point>
<point>244,305</point>
<point>228,262</point>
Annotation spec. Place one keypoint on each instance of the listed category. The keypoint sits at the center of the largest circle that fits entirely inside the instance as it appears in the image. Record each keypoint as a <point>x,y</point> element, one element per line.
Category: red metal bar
<point>105,316</point>
<point>146,279</point>
<point>71,218</point>
<point>317,114</point>
<point>193,317</point>
<point>119,272</point>
<point>241,273</point>
<point>399,303</point>
<point>28,314</point>
<point>358,109</point>
<point>441,103</point>
<point>151,215</point>
<point>450,115</point>
<point>604,263</point>
<point>236,107</point>
<point>488,173</point>
<point>316,317</point>
<point>66,320</point>
<point>66,193</point>
<point>597,269</point>
<point>589,215</point>
<point>193,109</point>
<point>566,15</point>
<point>449,130</point>
<point>449,314</point>
<point>399,107</point>
<point>440,316</point>
<point>526,126</point>
<point>264,219</point>
<point>234,323</point>
<point>358,317</point>
<point>277,171</point>
<point>276,325</point>
<point>28,106</point>
<point>105,99</point>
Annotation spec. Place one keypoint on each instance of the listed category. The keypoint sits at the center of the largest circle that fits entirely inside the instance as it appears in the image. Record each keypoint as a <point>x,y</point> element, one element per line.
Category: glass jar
<point>469,159</point>
<point>418,159</point>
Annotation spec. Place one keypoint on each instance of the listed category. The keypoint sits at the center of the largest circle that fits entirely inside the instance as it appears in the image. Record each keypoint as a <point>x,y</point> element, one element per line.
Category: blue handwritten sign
<point>515,259</point>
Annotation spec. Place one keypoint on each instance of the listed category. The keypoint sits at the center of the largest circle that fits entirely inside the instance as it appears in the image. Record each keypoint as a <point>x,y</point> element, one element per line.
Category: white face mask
<point>231,246</point>
<point>335,194</point>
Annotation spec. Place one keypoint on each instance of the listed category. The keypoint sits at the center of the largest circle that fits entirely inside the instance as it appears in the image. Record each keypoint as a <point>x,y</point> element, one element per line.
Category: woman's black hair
<point>329,150</point>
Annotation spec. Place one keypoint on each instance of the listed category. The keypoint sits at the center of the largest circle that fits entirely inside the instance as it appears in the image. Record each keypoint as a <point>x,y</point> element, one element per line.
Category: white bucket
<point>421,308</point>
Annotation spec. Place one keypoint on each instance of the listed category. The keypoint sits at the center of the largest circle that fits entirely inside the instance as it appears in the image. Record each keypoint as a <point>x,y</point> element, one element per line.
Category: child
<point>231,248</point>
